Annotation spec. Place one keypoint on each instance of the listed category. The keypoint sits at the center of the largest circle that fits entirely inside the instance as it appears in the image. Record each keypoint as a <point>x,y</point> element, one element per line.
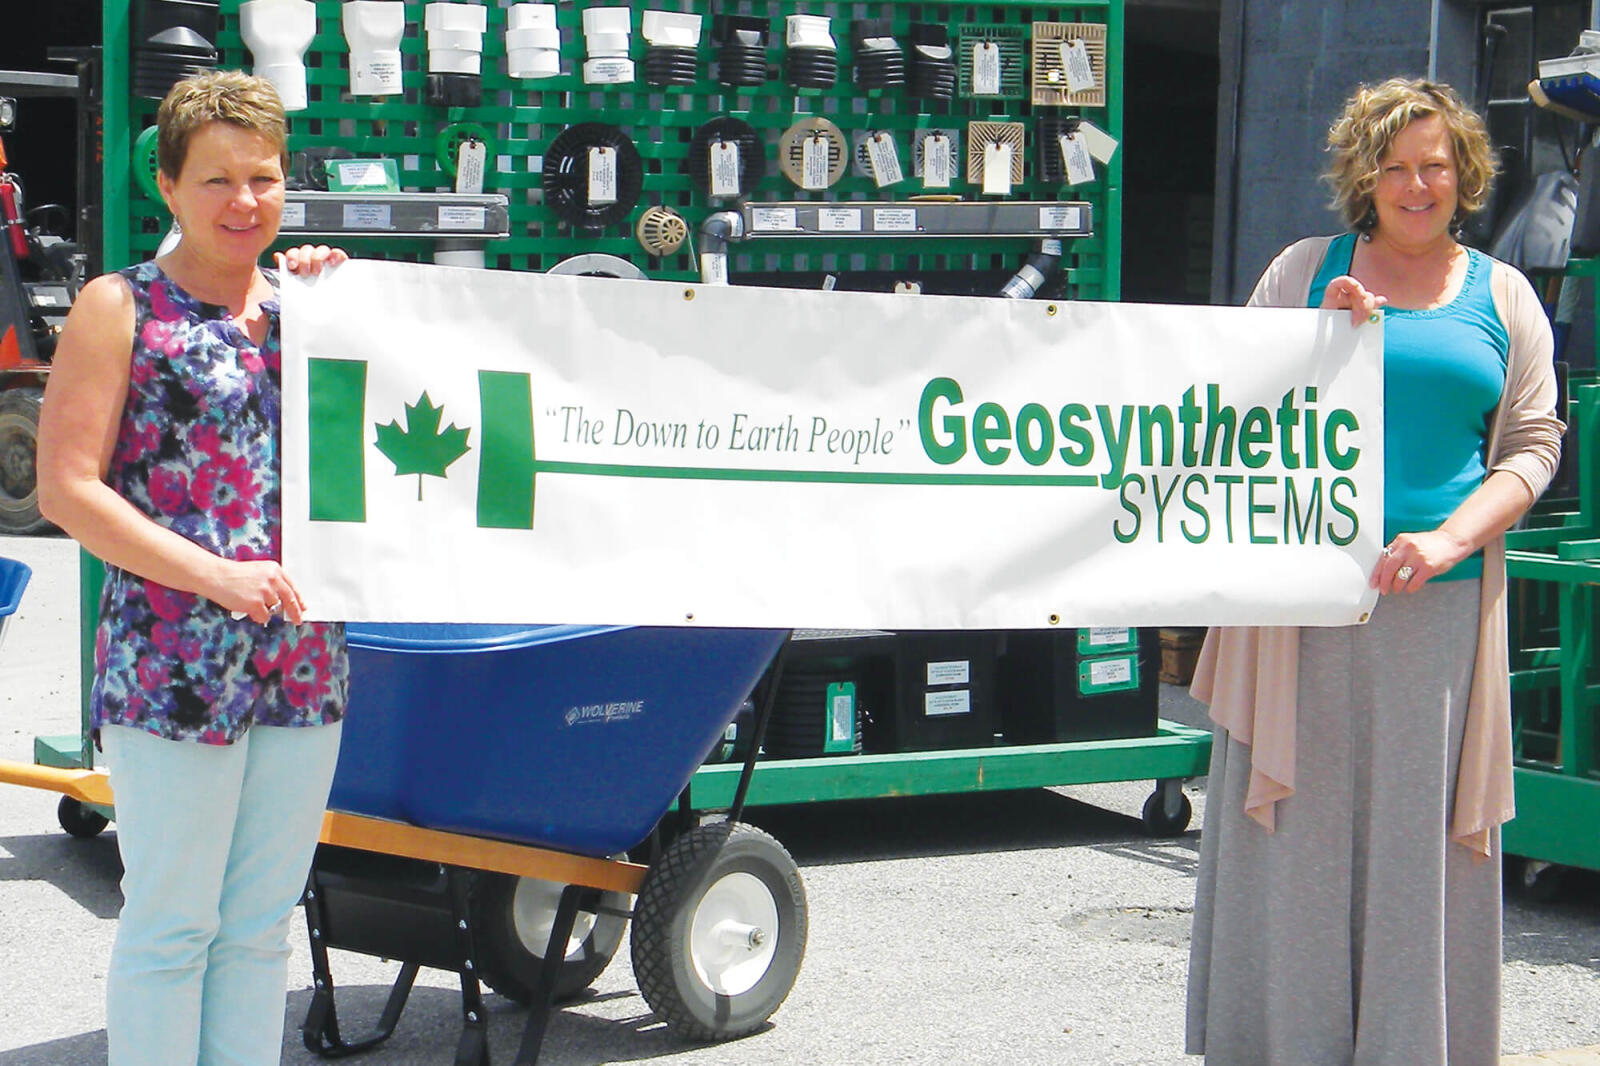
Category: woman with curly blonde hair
<point>1347,908</point>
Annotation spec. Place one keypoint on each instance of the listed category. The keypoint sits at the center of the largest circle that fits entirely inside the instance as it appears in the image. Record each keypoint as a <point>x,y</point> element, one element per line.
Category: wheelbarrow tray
<point>572,738</point>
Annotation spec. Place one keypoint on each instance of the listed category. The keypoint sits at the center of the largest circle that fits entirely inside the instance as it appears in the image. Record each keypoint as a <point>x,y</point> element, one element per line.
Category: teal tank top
<point>1444,370</point>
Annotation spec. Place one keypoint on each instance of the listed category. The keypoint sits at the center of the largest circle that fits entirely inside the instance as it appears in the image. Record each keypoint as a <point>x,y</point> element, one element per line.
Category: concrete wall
<point>1287,67</point>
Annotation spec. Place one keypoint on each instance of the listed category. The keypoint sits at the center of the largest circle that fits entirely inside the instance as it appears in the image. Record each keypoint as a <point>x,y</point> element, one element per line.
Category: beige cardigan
<point>1249,675</point>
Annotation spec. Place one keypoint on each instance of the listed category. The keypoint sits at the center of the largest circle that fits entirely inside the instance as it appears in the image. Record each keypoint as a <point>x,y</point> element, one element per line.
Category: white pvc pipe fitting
<point>671,29</point>
<point>278,32</point>
<point>455,37</point>
<point>605,36</point>
<point>809,31</point>
<point>533,41</point>
<point>373,29</point>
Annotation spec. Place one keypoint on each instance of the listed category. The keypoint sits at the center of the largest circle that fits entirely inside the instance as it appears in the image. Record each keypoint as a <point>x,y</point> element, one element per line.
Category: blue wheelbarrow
<point>504,804</point>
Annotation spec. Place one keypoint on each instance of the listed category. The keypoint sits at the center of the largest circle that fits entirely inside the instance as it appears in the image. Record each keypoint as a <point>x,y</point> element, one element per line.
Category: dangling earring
<point>1368,223</point>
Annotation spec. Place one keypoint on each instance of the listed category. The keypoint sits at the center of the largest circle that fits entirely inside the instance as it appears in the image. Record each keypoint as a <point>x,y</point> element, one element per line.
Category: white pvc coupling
<point>809,31</point>
<point>671,29</point>
<point>278,32</point>
<point>605,42</point>
<point>533,41</point>
<point>455,37</point>
<point>373,29</point>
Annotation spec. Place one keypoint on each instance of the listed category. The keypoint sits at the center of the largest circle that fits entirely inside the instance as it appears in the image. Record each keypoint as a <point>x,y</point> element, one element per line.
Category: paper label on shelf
<point>369,172</point>
<point>773,219</point>
<point>471,160</point>
<point>884,158</point>
<point>714,269</point>
<point>602,175</point>
<point>814,162</point>
<point>985,69</point>
<point>952,672</point>
<point>842,717</point>
<point>1075,154</point>
<point>1105,672</point>
<point>1077,66</point>
<point>294,216</point>
<point>1060,217</point>
<point>839,219</point>
<point>997,169</point>
<point>724,169</point>
<point>936,162</point>
<point>1107,636</point>
<point>461,217</point>
<point>1100,143</point>
<point>894,219</point>
<point>935,704</point>
<point>366,216</point>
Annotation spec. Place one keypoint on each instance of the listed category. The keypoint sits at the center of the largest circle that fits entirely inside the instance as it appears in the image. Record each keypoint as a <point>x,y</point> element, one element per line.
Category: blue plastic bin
<point>13,579</point>
<point>576,738</point>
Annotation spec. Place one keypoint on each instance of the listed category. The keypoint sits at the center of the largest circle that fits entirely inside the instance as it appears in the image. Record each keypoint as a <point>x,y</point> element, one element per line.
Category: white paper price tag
<point>839,219</point>
<point>885,160</point>
<point>366,216</point>
<point>894,219</point>
<point>602,175</point>
<point>1100,143</point>
<point>452,217</point>
<point>936,162</point>
<point>293,217</point>
<point>996,169</point>
<point>1075,155</point>
<point>1075,62</point>
<point>471,159</point>
<point>1059,217</point>
<point>814,162</point>
<point>724,169</point>
<point>986,69</point>
<point>361,172</point>
<point>714,269</point>
<point>773,219</point>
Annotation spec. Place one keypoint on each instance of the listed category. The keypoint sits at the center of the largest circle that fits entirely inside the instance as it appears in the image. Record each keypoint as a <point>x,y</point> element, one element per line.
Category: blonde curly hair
<point>1371,120</point>
<point>230,96</point>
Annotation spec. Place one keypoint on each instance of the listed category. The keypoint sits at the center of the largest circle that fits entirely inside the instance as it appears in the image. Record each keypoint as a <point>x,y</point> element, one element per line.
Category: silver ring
<point>1387,551</point>
<point>273,606</point>
<point>1404,573</point>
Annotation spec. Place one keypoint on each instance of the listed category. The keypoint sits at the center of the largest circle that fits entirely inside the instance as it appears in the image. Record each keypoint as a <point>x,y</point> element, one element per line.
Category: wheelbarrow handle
<point>85,786</point>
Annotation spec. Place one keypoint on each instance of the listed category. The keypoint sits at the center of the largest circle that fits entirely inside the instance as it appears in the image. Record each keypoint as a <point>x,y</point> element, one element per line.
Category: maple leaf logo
<point>422,448</point>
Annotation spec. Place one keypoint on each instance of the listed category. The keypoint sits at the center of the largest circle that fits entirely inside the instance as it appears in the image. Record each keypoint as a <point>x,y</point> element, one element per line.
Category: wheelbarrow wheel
<point>719,931</point>
<point>78,819</point>
<point>513,916</point>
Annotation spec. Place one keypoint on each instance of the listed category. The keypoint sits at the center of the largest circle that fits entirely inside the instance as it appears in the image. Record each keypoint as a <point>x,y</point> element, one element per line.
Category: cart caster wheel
<point>719,931</point>
<point>79,820</point>
<point>1159,822</point>
<point>1540,882</point>
<point>513,916</point>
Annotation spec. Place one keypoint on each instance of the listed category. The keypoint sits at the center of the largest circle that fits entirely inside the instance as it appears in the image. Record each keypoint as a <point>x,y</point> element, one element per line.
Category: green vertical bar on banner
<point>505,458</point>
<point>337,415</point>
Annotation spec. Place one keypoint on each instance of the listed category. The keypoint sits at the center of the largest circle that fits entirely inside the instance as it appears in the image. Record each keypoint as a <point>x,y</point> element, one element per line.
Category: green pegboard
<point>524,116</point>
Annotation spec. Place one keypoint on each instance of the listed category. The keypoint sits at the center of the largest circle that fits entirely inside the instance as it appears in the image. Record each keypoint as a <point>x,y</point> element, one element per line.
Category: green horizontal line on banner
<point>843,477</point>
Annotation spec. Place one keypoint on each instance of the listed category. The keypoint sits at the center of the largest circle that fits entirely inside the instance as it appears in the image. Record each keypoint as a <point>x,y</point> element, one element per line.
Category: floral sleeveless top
<point>197,451</point>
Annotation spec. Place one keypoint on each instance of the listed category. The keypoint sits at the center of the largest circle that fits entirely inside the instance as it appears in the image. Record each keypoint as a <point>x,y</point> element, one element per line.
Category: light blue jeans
<point>216,841</point>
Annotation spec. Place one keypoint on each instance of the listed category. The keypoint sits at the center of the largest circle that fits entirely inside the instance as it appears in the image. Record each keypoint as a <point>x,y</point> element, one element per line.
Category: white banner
<point>465,445</point>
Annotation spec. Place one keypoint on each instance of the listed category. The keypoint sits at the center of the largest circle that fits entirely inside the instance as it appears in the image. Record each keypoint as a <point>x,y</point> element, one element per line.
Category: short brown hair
<point>1371,120</point>
<point>230,96</point>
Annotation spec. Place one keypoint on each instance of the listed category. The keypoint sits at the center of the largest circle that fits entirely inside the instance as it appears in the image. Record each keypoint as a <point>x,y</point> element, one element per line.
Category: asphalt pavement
<point>1027,927</point>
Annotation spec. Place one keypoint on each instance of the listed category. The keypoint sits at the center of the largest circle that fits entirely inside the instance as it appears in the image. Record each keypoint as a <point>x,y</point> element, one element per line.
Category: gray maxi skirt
<point>1356,934</point>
